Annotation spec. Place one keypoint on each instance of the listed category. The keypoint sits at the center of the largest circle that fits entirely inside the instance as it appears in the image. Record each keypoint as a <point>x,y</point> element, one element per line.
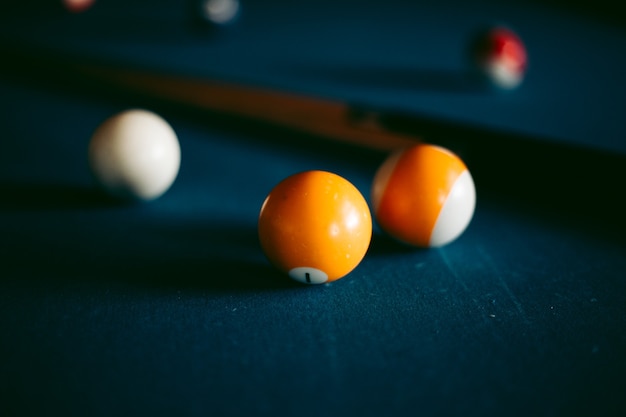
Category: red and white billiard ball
<point>423,196</point>
<point>77,6</point>
<point>500,57</point>
<point>135,155</point>
<point>315,226</point>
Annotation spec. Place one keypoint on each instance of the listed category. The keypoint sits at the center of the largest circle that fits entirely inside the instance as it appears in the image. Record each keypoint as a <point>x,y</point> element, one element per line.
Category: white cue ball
<point>135,154</point>
<point>219,12</point>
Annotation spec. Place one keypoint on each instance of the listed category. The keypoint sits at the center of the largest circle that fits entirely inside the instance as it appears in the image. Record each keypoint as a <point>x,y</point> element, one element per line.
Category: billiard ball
<point>423,195</point>
<point>315,226</point>
<point>217,12</point>
<point>499,57</point>
<point>77,6</point>
<point>135,155</point>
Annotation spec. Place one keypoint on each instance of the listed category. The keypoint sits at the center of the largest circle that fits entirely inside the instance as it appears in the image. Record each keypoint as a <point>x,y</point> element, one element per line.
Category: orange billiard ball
<point>423,196</point>
<point>315,226</point>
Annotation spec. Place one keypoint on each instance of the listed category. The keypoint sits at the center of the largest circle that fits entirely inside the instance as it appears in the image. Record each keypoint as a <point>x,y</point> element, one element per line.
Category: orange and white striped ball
<point>423,196</point>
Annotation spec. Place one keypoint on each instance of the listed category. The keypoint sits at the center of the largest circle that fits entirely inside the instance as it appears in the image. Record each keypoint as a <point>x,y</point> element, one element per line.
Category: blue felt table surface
<point>170,307</point>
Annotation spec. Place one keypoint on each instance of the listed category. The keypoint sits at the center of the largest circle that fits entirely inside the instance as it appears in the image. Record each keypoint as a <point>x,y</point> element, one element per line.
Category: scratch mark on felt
<point>518,306</point>
<point>453,270</point>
